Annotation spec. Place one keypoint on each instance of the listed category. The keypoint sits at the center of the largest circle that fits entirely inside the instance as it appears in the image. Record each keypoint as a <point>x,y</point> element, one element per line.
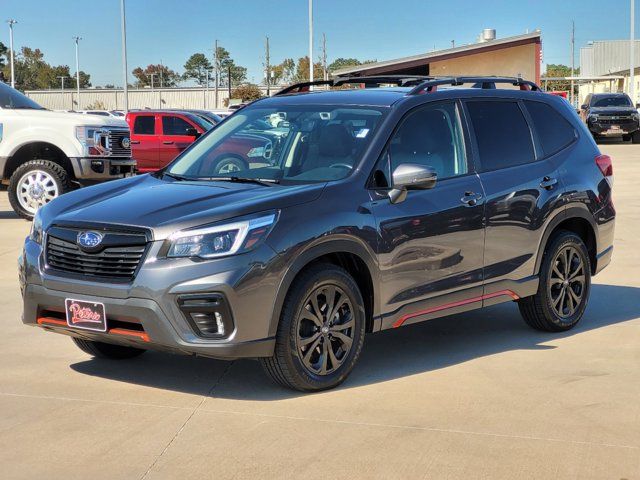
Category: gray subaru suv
<point>360,210</point>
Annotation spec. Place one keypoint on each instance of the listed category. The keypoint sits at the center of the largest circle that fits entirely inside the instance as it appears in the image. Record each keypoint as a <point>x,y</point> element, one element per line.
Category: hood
<point>165,206</point>
<point>72,119</point>
<point>613,110</point>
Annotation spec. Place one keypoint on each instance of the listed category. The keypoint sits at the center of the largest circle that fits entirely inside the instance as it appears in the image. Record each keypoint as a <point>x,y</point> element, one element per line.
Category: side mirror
<point>192,132</point>
<point>637,105</point>
<point>583,107</point>
<point>411,176</point>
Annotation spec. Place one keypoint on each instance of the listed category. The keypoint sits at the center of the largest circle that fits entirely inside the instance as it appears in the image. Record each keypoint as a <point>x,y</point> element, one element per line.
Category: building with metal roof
<point>517,56</point>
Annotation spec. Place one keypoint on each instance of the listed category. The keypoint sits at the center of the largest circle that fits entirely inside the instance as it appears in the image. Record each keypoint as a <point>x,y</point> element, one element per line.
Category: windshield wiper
<point>267,182</point>
<point>175,176</point>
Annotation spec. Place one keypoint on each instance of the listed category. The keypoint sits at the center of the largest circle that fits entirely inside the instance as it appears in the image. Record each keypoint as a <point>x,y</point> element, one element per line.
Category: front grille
<point>114,143</point>
<point>118,260</point>
<point>614,120</point>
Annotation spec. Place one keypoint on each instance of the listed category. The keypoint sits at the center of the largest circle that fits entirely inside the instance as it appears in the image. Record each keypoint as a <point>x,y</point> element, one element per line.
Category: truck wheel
<point>228,165</point>
<point>635,137</point>
<point>35,184</point>
<point>321,331</point>
<point>565,283</point>
<point>107,350</point>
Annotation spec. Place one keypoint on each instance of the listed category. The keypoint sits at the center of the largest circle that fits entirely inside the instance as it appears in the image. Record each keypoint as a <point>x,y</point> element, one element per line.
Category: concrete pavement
<point>477,395</point>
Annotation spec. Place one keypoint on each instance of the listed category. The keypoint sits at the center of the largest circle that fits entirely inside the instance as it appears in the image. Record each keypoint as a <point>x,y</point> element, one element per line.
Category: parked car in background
<point>380,208</point>
<point>159,136</point>
<point>104,113</point>
<point>611,115</point>
<point>43,154</point>
<point>207,115</point>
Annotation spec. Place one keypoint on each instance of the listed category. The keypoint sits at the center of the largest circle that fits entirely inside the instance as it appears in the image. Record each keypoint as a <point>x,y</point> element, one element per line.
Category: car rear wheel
<point>565,283</point>
<point>321,331</point>
<point>107,350</point>
<point>35,184</point>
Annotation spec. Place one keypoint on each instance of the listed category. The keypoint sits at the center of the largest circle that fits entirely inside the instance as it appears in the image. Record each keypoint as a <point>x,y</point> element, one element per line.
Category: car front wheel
<point>321,331</point>
<point>35,184</point>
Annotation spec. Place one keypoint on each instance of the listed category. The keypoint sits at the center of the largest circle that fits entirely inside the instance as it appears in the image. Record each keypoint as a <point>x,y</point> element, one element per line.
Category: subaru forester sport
<point>367,209</point>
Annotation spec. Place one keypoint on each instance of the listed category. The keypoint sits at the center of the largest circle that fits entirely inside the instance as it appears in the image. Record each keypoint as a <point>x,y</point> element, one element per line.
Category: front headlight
<point>221,240</point>
<point>93,140</point>
<point>593,118</point>
<point>36,229</point>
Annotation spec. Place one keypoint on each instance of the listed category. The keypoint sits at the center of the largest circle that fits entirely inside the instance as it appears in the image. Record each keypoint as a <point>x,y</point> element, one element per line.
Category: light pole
<point>76,40</point>
<point>123,31</point>
<point>11,23</point>
<point>310,41</point>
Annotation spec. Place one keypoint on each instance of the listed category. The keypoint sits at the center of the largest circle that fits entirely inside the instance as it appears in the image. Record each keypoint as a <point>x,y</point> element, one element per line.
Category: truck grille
<point>118,260</point>
<point>614,120</point>
<point>115,143</point>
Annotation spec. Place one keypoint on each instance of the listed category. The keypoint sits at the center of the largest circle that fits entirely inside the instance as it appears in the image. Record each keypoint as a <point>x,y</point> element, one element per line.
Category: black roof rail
<point>478,82</point>
<point>399,80</point>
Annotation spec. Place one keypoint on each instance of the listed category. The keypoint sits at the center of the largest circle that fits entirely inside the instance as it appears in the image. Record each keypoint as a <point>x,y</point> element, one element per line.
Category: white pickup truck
<point>44,154</point>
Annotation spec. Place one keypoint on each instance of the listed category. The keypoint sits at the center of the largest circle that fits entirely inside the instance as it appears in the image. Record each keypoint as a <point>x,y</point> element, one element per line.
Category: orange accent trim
<point>114,331</point>
<point>131,333</point>
<point>52,321</point>
<point>459,303</point>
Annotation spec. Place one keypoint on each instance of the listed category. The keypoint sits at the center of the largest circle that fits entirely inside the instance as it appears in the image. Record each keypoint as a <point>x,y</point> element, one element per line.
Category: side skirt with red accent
<point>459,303</point>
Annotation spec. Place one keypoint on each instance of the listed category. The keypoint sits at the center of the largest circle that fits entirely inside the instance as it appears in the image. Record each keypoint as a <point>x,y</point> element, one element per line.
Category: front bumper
<point>88,171</point>
<point>625,127</point>
<point>146,313</point>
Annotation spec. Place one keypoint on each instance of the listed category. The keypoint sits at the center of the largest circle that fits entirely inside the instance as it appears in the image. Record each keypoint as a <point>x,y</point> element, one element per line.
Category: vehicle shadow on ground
<point>386,355</point>
<point>8,214</point>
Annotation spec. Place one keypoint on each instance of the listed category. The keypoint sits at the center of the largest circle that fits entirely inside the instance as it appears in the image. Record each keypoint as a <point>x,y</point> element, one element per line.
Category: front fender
<point>316,249</point>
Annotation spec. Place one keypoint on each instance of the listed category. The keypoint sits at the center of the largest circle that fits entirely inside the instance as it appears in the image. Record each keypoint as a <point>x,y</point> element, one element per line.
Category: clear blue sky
<point>171,30</point>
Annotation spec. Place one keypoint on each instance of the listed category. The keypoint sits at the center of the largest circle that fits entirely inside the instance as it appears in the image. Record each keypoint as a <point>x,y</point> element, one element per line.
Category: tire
<point>626,138</point>
<point>548,310</point>
<point>227,165</point>
<point>635,137</point>
<point>51,181</point>
<point>107,350</point>
<point>292,364</point>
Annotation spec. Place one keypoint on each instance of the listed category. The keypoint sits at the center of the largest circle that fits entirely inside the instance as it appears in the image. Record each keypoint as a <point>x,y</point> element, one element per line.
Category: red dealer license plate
<point>86,315</point>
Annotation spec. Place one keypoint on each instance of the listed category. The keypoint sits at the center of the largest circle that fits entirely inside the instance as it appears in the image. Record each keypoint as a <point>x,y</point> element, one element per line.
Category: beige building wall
<point>510,62</point>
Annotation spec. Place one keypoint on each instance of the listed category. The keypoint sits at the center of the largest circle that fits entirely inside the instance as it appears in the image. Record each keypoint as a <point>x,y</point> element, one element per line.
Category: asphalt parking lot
<point>477,395</point>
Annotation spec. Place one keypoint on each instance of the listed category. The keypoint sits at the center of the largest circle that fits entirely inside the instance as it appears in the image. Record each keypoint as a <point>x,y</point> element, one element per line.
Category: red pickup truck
<point>158,136</point>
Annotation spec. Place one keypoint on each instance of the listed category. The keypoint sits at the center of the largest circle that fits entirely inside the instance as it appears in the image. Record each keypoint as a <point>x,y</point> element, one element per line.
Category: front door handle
<point>135,142</point>
<point>548,183</point>
<point>167,142</point>
<point>471,199</point>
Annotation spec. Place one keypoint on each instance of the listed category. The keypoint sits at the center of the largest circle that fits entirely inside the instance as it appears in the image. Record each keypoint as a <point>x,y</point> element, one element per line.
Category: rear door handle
<point>167,142</point>
<point>548,183</point>
<point>471,199</point>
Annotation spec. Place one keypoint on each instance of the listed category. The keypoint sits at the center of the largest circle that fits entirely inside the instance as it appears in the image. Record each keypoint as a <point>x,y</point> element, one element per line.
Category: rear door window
<point>172,125</point>
<point>502,134</point>
<point>554,131</point>
<point>144,125</point>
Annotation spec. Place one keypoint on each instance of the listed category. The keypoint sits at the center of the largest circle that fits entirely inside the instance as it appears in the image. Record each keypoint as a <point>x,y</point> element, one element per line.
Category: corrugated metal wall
<point>606,57</point>
<point>139,98</point>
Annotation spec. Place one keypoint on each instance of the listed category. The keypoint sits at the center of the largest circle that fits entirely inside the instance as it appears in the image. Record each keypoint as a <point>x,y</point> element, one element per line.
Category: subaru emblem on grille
<point>89,239</point>
<point>125,142</point>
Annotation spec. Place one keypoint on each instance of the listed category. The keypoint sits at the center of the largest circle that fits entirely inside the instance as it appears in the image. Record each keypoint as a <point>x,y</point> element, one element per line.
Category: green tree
<point>283,72</point>
<point>302,70</point>
<point>163,76</point>
<point>247,93</point>
<point>340,63</point>
<point>225,65</point>
<point>196,68</point>
<point>558,70</point>
<point>4,55</point>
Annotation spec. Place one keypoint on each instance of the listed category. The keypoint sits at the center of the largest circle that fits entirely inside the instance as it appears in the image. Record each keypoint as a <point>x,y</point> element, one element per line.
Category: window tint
<point>502,133</point>
<point>431,136</point>
<point>174,125</point>
<point>145,125</point>
<point>553,130</point>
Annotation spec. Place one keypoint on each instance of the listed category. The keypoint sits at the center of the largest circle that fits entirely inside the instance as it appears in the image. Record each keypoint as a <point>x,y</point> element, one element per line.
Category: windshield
<point>201,121</point>
<point>611,102</point>
<point>13,99</point>
<point>288,144</point>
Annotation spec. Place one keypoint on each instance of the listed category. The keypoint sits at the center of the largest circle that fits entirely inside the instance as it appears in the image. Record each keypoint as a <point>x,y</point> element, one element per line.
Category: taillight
<point>605,165</point>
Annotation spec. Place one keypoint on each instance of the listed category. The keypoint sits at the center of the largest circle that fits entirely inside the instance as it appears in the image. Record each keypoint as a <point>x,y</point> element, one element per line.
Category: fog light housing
<point>97,166</point>
<point>208,314</point>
